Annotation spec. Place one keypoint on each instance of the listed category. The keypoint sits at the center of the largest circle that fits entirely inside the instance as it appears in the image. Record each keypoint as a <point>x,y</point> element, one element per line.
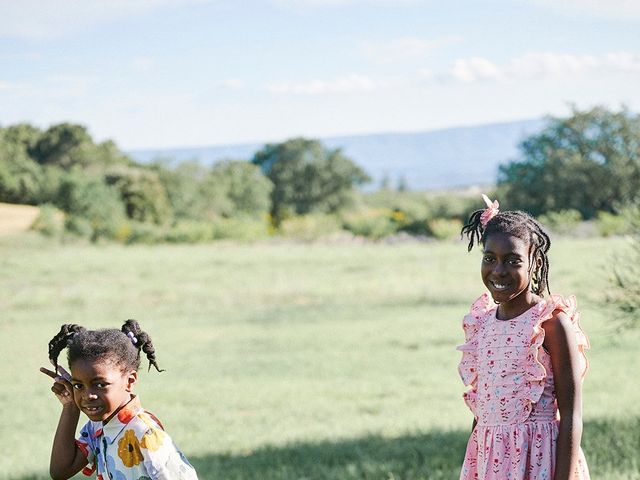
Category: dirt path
<point>16,218</point>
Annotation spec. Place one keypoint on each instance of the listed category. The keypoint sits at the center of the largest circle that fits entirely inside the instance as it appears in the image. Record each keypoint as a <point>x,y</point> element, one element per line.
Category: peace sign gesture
<point>62,386</point>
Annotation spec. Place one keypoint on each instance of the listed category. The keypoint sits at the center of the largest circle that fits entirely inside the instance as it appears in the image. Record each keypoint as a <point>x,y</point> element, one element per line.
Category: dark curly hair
<point>115,345</point>
<point>521,225</point>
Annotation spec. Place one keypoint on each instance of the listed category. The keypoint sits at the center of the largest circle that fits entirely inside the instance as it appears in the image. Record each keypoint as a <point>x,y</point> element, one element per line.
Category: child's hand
<point>62,386</point>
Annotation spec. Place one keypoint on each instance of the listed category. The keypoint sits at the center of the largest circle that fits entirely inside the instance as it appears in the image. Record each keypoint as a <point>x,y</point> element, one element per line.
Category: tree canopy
<point>307,177</point>
<point>589,162</point>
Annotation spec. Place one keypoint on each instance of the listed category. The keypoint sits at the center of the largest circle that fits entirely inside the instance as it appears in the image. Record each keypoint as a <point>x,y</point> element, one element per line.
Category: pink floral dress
<point>512,392</point>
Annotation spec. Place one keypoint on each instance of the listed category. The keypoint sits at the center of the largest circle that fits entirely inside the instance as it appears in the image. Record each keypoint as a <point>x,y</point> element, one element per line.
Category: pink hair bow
<point>489,212</point>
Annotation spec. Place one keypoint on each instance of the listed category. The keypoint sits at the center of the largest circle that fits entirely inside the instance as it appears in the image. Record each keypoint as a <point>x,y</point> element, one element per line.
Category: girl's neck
<point>131,397</point>
<point>517,306</point>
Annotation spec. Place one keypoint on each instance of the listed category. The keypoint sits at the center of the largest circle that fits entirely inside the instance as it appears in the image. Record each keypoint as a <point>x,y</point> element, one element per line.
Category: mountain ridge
<point>424,160</point>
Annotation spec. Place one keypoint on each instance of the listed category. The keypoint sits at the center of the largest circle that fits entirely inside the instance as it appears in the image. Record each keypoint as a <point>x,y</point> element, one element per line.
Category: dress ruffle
<point>535,372</point>
<point>468,366</point>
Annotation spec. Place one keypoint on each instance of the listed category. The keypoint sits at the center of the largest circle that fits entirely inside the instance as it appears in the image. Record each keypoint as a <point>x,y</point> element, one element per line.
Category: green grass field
<point>292,361</point>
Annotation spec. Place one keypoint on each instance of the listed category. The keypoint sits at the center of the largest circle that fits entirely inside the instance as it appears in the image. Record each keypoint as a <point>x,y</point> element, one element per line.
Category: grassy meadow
<point>296,361</point>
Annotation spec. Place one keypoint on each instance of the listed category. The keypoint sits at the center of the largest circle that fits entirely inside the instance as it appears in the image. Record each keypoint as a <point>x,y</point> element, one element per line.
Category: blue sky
<point>169,73</point>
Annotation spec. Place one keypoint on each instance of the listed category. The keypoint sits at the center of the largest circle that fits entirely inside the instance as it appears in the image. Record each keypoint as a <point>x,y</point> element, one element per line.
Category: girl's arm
<point>66,458</point>
<point>562,346</point>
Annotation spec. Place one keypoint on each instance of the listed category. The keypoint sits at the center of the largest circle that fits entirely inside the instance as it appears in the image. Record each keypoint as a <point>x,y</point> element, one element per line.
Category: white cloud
<point>474,69</point>
<point>42,19</point>
<point>347,84</point>
<point>402,49</point>
<point>543,65</point>
<point>5,86</point>
<point>618,9</point>
<point>530,66</point>
<point>232,84</point>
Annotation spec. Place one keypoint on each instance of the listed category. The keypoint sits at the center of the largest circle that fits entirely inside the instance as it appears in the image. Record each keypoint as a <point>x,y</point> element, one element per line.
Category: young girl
<point>523,358</point>
<point>121,441</point>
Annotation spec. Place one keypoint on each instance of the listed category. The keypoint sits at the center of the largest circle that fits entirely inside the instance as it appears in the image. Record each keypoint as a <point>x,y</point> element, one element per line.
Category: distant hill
<point>448,158</point>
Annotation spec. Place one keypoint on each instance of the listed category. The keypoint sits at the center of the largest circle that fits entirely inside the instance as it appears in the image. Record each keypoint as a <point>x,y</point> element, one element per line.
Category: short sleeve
<point>162,459</point>
<point>84,444</point>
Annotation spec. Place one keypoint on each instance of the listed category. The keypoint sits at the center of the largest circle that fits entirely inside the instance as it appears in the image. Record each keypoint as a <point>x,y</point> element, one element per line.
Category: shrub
<point>123,232</point>
<point>240,228</point>
<point>145,233</point>
<point>609,224</point>
<point>190,232</point>
<point>88,197</point>
<point>308,227</point>
<point>445,228</point>
<point>626,292</point>
<point>378,223</point>
<point>454,205</point>
<point>78,226</point>
<point>49,222</point>
<point>626,274</point>
<point>562,222</point>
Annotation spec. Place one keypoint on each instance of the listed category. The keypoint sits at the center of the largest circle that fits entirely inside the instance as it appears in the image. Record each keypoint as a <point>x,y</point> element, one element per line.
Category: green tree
<point>589,162</point>
<point>89,198</point>
<point>23,135</point>
<point>65,145</point>
<point>244,185</point>
<point>20,176</point>
<point>307,177</point>
<point>183,184</point>
<point>142,192</point>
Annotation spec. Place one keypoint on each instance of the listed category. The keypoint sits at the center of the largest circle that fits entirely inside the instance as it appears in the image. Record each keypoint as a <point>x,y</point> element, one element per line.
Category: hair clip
<point>132,337</point>
<point>489,212</point>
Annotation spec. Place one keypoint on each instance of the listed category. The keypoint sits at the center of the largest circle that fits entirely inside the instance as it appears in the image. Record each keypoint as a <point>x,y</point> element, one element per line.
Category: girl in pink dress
<point>523,358</point>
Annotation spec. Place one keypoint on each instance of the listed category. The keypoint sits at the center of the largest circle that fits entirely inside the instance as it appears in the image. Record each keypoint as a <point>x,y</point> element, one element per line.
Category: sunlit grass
<point>292,360</point>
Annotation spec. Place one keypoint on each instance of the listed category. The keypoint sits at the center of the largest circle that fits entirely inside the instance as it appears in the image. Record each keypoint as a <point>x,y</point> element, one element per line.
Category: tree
<point>89,198</point>
<point>65,145</point>
<point>403,185</point>
<point>307,177</point>
<point>589,162</point>
<point>142,193</point>
<point>246,188</point>
<point>20,176</point>
<point>23,135</point>
<point>183,184</point>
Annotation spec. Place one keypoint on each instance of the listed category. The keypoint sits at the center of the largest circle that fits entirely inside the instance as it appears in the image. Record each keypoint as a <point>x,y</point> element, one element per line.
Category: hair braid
<point>143,343</point>
<point>473,229</point>
<point>62,340</point>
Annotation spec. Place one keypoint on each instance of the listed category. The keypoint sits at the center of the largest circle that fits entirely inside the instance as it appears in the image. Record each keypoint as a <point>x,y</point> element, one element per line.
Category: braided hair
<point>523,226</point>
<point>120,346</point>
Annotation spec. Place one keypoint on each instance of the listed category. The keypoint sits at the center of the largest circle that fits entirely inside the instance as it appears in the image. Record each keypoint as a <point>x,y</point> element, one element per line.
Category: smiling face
<point>505,270</point>
<point>101,387</point>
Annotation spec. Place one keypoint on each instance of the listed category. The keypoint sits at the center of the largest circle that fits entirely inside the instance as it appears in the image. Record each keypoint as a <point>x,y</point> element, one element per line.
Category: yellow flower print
<point>152,440</point>
<point>129,449</point>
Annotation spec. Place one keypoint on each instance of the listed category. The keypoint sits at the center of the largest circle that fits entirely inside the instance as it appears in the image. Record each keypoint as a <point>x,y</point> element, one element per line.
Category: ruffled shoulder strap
<point>535,371</point>
<point>569,306</point>
<point>473,320</point>
<point>468,366</point>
